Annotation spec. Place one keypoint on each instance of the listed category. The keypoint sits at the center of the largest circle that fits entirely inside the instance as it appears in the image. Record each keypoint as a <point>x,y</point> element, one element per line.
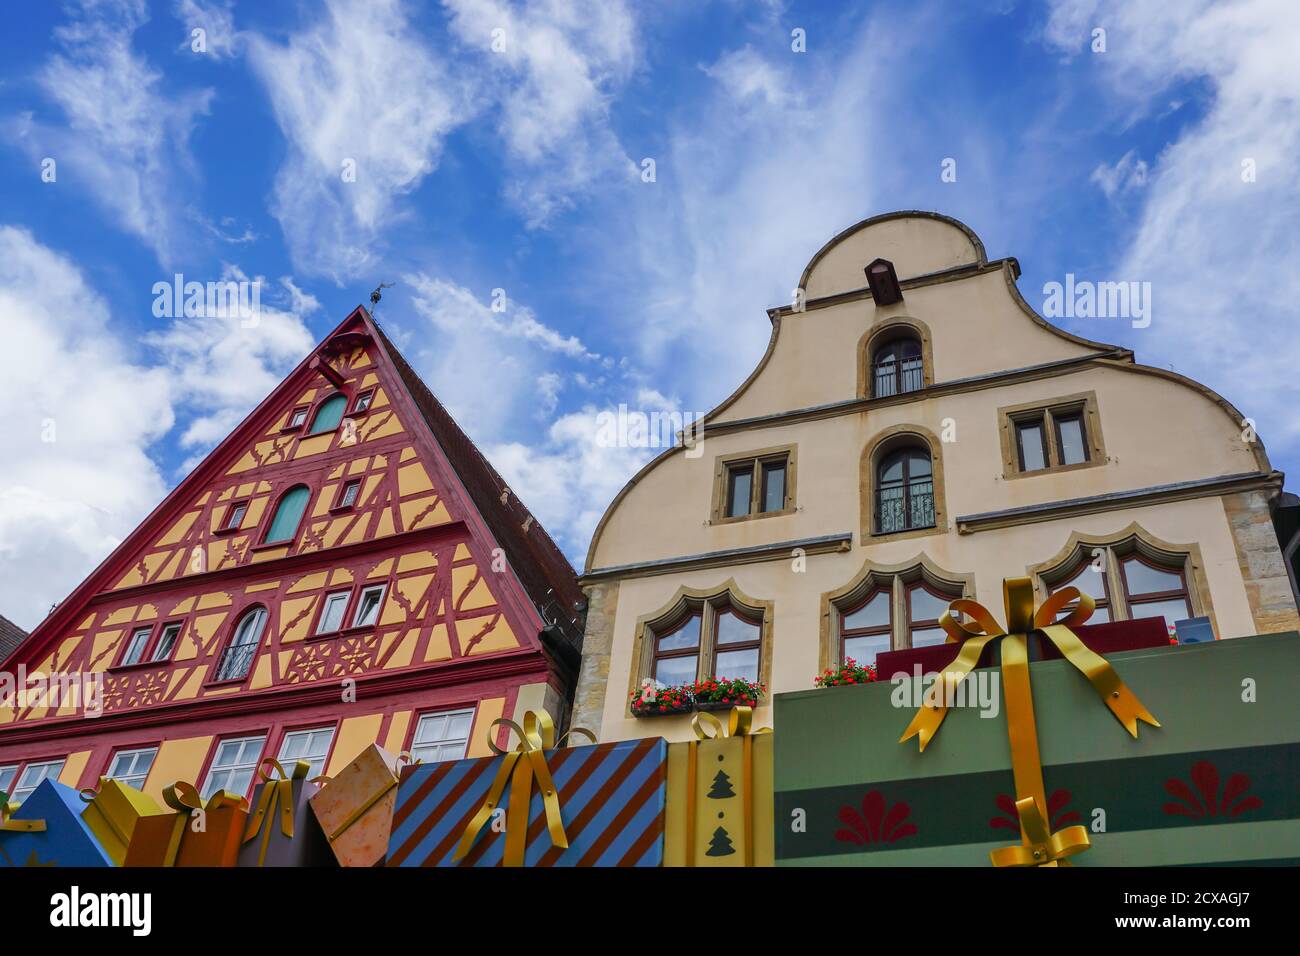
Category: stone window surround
<point>1083,402</point>
<point>881,333</point>
<point>718,508</point>
<point>881,444</point>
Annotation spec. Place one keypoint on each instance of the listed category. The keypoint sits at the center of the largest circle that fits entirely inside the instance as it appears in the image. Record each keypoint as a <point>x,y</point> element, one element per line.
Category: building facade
<point>906,440</point>
<point>345,568</point>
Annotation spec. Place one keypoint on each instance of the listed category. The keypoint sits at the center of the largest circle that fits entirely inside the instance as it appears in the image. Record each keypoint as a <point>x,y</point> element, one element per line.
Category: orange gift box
<point>355,807</point>
<point>197,834</point>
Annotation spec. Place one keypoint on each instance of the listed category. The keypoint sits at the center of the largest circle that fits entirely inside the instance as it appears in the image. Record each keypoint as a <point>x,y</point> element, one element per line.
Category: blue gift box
<point>65,841</point>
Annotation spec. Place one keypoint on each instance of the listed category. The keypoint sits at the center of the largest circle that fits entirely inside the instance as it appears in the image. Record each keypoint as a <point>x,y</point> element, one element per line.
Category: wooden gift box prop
<point>196,834</point>
<point>113,811</point>
<point>720,797</point>
<point>282,830</point>
<point>355,807</point>
<point>48,830</point>
<point>598,805</point>
<point>1105,639</point>
<point>1214,783</point>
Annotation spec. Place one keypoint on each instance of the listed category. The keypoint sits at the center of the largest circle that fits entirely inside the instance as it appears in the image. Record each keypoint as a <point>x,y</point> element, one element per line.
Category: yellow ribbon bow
<point>1039,847</point>
<point>185,800</point>
<point>89,795</point>
<point>521,767</point>
<point>276,792</point>
<point>17,826</point>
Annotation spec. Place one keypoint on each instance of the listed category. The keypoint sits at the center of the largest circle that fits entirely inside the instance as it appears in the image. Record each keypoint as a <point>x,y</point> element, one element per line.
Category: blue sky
<point>520,169</point>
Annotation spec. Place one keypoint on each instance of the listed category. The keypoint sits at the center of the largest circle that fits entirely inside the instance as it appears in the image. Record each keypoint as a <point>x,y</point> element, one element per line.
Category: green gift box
<point>1213,784</point>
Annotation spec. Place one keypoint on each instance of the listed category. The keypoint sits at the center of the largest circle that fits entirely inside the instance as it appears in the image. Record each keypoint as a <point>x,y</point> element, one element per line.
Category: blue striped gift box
<point>611,801</point>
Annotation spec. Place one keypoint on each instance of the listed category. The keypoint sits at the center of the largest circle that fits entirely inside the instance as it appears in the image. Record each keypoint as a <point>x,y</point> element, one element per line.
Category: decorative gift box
<point>197,834</point>
<point>599,805</point>
<point>355,807</point>
<point>720,796</point>
<point>113,813</point>
<point>1210,778</point>
<point>49,830</point>
<point>1105,639</point>
<point>282,830</point>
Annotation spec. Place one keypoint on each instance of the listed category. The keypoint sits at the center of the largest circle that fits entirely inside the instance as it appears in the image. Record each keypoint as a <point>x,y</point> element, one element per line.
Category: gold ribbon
<point>1039,847</point>
<point>739,723</point>
<point>16,826</point>
<point>185,800</point>
<point>89,795</point>
<point>360,811</point>
<point>520,767</point>
<point>276,792</point>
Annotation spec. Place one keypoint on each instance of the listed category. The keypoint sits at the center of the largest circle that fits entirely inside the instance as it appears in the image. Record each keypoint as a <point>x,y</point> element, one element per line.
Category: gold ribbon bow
<point>185,800</point>
<point>276,792</point>
<point>89,795</point>
<point>1039,847</point>
<point>707,727</point>
<point>360,810</point>
<point>16,826</point>
<point>521,767</point>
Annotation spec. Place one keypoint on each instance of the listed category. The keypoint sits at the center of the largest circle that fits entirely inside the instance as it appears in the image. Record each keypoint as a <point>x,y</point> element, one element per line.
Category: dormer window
<point>328,415</point>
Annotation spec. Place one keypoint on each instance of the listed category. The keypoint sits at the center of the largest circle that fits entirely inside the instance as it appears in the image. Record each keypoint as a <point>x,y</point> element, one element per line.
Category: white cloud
<point>1219,251</point>
<point>216,19</point>
<point>354,90</point>
<point>1127,174</point>
<point>82,413</point>
<point>561,62</point>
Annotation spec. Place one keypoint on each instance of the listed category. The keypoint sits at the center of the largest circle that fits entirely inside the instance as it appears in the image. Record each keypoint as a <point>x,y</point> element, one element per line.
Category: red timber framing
<point>477,608</point>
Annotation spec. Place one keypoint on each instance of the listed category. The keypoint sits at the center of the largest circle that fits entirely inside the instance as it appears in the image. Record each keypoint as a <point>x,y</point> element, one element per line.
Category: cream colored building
<point>900,455</point>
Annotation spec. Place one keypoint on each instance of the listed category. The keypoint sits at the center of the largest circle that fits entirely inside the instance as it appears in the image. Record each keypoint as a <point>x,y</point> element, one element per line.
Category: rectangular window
<point>1070,439</point>
<point>297,417</point>
<point>773,498</point>
<point>166,642</point>
<point>234,765</point>
<point>1029,441</point>
<point>331,616</point>
<point>740,482</point>
<point>763,484</point>
<point>135,647</point>
<point>363,401</point>
<point>7,775</point>
<point>442,736</point>
<point>368,606</point>
<point>32,776</point>
<point>131,767</point>
<point>235,516</point>
<point>351,490</point>
<point>312,746</point>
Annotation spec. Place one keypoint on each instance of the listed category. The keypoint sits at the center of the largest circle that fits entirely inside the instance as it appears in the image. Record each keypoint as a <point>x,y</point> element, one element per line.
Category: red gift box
<point>1101,638</point>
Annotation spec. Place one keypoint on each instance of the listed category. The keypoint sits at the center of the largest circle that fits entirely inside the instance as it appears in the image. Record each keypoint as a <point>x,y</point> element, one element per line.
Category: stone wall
<point>1268,587</point>
<point>597,643</point>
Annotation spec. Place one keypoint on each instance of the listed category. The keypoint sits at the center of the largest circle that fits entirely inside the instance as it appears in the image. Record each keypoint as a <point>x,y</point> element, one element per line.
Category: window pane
<point>7,775</point>
<point>233,766</point>
<point>1089,581</point>
<point>1144,579</point>
<point>676,670</point>
<point>287,514</point>
<point>329,415</point>
<point>350,491</point>
<point>891,469</point>
<point>297,418</point>
<point>309,745</point>
<point>442,736</point>
<point>32,776</point>
<point>733,629</point>
<point>774,486</point>
<point>1172,610</point>
<point>166,642</point>
<point>368,607</point>
<point>331,618</point>
<point>864,649</point>
<point>1030,437</point>
<point>687,634</point>
<point>135,650</point>
<point>927,636</point>
<point>925,606</point>
<point>740,483</point>
<point>735,664</point>
<point>250,628</point>
<point>1070,430</point>
<point>875,613</point>
<point>236,516</point>
<point>918,464</point>
<point>364,400</point>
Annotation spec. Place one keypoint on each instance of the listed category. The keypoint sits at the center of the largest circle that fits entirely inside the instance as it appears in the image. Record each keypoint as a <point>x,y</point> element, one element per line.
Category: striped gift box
<point>611,801</point>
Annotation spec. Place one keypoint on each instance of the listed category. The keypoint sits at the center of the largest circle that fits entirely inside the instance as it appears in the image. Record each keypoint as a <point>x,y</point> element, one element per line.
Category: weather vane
<point>377,295</point>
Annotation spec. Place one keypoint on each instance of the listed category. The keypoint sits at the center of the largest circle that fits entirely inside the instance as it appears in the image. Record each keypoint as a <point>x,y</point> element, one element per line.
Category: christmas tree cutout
<point>721,789</point>
<point>720,845</point>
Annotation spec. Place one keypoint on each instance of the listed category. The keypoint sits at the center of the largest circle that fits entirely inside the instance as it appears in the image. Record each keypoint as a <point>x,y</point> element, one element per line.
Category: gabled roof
<point>11,635</point>
<point>540,565</point>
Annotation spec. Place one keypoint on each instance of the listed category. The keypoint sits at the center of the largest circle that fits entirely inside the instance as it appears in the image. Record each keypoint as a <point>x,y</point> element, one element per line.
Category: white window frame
<point>419,749</point>
<point>155,657</point>
<point>134,778</point>
<point>36,765</point>
<point>340,597</point>
<point>379,605</point>
<point>209,787</point>
<point>127,657</point>
<point>317,761</point>
<point>6,782</point>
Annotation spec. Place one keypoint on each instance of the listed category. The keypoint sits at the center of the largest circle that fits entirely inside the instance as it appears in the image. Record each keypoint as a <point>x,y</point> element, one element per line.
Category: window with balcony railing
<point>904,491</point>
<point>238,656</point>
<point>897,367</point>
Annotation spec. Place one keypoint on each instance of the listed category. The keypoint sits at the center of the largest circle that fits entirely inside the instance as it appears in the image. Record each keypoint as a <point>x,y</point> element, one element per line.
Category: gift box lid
<point>371,772</point>
<point>67,840</point>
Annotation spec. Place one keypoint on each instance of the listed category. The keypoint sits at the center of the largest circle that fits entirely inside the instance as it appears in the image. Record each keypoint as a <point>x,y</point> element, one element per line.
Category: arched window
<point>1153,591</point>
<point>704,637</point>
<point>288,514</point>
<point>238,655</point>
<point>1091,578</point>
<point>867,629</point>
<point>897,367</point>
<point>905,490</point>
<point>328,415</point>
<point>1128,580</point>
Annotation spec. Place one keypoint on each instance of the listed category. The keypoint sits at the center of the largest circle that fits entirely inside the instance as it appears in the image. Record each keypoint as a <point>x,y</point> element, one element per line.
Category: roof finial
<point>377,295</point>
